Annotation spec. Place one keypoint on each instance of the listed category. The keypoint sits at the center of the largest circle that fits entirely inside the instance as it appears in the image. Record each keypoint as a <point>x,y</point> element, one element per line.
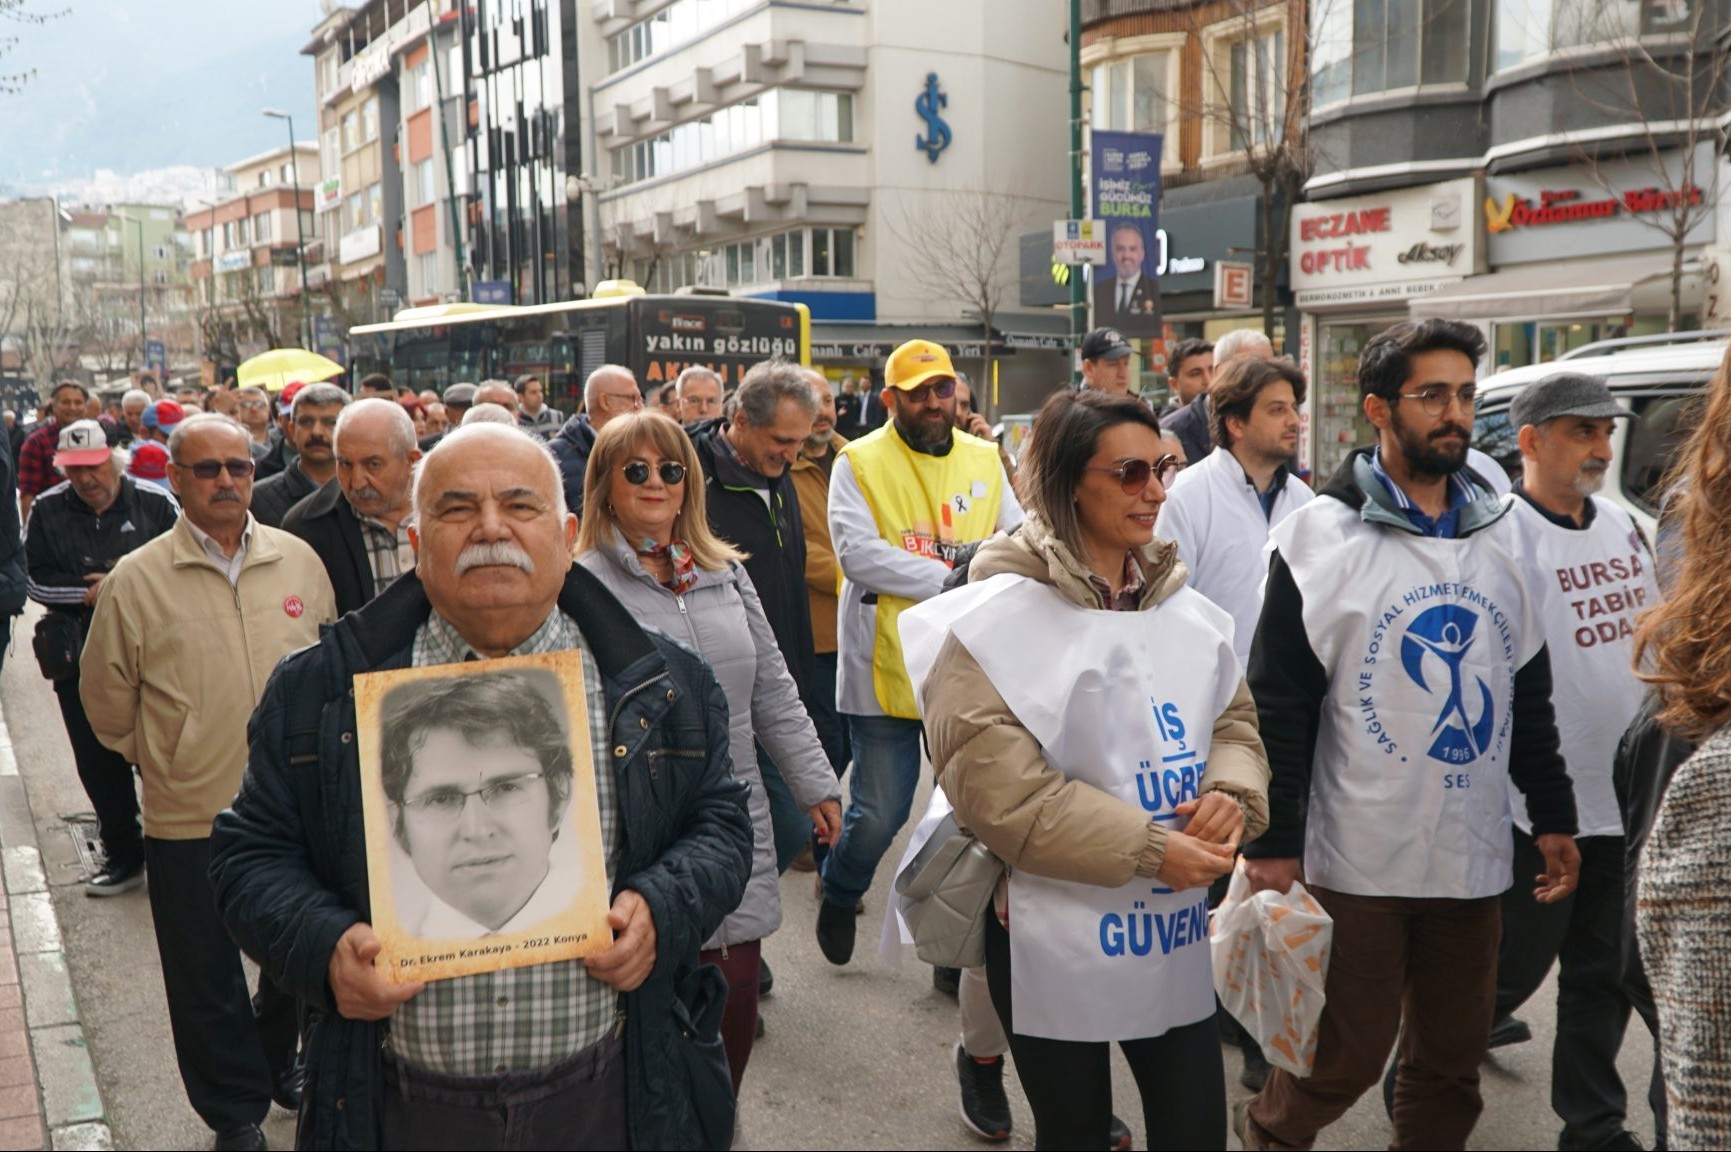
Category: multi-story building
<point>250,248</point>
<point>1213,77</point>
<point>874,161</point>
<point>38,306</point>
<point>1535,167</point>
<point>523,130</point>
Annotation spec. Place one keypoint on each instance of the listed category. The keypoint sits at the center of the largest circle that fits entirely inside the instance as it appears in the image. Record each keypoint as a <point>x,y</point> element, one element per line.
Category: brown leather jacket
<point>992,770</point>
<point>822,577</point>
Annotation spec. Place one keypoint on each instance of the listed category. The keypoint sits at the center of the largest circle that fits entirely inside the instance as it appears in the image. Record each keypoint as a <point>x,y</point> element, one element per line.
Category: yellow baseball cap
<point>916,362</point>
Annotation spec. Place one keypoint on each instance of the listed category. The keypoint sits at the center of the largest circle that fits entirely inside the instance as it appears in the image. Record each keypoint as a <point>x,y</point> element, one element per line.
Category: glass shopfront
<point>1338,413</point>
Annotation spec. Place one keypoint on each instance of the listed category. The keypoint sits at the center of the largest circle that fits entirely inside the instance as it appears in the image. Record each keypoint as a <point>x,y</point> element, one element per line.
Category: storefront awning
<point>1604,287</point>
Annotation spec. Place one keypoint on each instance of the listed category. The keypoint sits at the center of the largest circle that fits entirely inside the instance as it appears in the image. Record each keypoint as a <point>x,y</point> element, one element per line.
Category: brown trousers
<point>1433,962</point>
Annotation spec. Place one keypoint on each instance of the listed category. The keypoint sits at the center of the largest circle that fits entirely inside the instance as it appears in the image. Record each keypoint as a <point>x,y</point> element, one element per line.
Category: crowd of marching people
<point>1145,653</point>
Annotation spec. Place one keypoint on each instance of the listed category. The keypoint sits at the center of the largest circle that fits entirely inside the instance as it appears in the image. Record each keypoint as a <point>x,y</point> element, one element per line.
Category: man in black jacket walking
<point>753,505</point>
<point>358,523</point>
<point>312,429</point>
<point>79,529</point>
<point>618,1050</point>
<point>610,391</point>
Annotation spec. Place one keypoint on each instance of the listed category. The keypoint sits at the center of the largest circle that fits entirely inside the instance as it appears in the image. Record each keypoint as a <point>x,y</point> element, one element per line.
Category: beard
<point>1590,479</point>
<point>1424,454</point>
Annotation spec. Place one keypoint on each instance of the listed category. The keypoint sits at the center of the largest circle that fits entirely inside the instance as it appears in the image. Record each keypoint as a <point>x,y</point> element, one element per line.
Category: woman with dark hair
<point>1684,907</point>
<point>1090,724</point>
<point>645,534</point>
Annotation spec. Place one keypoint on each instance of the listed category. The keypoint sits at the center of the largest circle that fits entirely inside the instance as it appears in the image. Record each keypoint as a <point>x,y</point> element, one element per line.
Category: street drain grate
<point>86,841</point>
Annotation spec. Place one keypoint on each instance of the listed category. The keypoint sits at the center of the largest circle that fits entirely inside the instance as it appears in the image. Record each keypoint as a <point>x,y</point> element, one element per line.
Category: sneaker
<point>1118,1137</point>
<point>985,1108</point>
<point>114,881</point>
<point>947,980</point>
<point>1509,1031</point>
<point>835,932</point>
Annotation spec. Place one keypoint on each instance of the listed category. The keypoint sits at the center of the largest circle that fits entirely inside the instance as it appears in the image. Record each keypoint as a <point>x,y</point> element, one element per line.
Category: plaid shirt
<point>389,553</point>
<point>515,1019</point>
<point>36,473</point>
<point>1129,597</point>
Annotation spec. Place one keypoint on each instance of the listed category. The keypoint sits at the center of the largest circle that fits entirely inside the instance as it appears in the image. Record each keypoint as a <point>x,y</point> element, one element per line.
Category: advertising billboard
<point>1125,187</point>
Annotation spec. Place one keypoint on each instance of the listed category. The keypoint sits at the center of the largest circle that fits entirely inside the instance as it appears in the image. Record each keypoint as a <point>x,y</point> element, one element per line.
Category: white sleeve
<point>1174,524</point>
<point>1009,508</point>
<point>866,558</point>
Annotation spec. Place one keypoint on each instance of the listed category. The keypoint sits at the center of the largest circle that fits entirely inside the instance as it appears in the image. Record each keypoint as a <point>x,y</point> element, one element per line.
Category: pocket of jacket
<point>698,1002</point>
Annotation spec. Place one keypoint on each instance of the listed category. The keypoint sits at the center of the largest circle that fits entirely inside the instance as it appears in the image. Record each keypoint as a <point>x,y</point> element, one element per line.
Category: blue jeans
<point>886,770</point>
<point>790,823</point>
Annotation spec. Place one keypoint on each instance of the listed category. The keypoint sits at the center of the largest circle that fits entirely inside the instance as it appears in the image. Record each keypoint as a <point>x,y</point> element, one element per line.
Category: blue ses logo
<point>927,105</point>
<point>1432,651</point>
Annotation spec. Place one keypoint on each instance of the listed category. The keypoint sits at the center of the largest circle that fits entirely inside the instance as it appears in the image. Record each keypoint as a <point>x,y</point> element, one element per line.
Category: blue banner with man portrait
<point>1125,186</point>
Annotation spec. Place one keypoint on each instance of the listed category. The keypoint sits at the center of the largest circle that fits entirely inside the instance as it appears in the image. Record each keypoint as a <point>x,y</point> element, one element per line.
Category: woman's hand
<point>826,821</point>
<point>1193,863</point>
<point>1216,818</point>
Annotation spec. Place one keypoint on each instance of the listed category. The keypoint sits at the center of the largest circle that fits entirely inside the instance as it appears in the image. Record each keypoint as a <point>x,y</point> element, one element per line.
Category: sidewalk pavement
<point>48,1093</point>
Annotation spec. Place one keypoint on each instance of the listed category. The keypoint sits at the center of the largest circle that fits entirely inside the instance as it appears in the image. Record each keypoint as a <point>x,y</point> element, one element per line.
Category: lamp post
<point>300,234</point>
<point>143,334</point>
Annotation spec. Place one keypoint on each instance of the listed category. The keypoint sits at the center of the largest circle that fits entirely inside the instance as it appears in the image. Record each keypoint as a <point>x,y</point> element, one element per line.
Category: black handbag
<point>58,643</point>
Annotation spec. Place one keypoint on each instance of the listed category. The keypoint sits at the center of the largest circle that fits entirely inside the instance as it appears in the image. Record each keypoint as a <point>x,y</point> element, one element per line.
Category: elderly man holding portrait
<point>616,1050</point>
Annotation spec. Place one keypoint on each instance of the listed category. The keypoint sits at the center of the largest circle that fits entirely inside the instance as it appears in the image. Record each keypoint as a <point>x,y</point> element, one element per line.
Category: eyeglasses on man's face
<point>211,469</point>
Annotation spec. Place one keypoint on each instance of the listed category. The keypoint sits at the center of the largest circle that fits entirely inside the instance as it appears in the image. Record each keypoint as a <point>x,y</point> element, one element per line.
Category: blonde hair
<point>634,432</point>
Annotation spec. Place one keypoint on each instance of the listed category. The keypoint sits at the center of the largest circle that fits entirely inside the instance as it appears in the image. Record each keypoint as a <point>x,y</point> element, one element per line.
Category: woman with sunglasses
<point>645,535</point>
<point>1091,726</point>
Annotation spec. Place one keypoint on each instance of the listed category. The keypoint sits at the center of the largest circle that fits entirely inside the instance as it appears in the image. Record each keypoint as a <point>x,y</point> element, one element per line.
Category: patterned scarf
<point>678,556</point>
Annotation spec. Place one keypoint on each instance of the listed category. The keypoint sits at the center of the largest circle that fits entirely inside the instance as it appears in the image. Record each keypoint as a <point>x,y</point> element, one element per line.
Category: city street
<point>859,1057</point>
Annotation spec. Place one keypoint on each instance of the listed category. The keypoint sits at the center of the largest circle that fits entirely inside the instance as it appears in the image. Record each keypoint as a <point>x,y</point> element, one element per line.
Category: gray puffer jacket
<point>723,620</point>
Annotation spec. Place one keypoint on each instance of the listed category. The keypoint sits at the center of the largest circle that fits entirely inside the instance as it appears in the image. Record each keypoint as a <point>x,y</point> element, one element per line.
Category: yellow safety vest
<point>927,505</point>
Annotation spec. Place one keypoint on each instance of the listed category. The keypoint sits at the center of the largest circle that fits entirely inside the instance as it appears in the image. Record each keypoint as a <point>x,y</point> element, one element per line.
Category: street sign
<point>1078,242</point>
<point>1234,285</point>
<point>1716,291</point>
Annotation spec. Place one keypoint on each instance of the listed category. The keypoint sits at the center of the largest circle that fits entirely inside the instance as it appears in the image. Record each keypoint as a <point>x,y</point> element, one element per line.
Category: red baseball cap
<point>149,461</point>
<point>287,396</point>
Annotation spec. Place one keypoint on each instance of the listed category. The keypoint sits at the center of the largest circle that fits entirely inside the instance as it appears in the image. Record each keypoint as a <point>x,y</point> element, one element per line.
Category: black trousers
<point>228,1055</point>
<point>107,780</point>
<point>1583,934</point>
<point>1069,1083</point>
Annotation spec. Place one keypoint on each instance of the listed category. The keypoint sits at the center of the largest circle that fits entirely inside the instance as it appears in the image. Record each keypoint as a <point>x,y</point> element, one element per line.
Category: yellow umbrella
<point>280,367</point>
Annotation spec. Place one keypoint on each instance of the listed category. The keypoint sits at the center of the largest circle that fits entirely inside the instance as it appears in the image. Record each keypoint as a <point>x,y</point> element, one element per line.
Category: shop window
<point>351,131</point>
<point>370,119</point>
<point>791,114</point>
<point>1338,412</point>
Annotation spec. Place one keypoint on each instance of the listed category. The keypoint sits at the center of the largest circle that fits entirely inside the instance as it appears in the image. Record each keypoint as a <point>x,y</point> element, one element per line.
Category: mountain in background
<point>144,96</point>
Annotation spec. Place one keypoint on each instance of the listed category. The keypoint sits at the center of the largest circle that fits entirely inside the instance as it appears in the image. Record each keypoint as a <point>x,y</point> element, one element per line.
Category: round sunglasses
<point>671,471</point>
<point>1133,474</point>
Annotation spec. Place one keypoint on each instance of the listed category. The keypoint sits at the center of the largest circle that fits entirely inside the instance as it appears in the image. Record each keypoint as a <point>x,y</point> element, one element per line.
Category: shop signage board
<point>1617,207</point>
<point>1716,291</point>
<point>1234,285</point>
<point>1387,246</point>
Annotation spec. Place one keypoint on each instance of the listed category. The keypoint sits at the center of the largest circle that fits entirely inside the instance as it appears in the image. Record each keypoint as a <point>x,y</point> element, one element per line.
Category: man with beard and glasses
<point>358,522</point>
<point>1592,573</point>
<point>1403,683</point>
<point>618,1050</point>
<point>312,426</point>
<point>186,632</point>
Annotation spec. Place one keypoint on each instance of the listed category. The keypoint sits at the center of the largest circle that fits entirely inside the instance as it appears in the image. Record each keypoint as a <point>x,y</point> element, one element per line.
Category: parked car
<point>1658,378</point>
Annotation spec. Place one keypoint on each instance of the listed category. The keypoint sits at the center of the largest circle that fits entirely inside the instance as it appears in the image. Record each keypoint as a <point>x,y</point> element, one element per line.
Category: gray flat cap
<point>460,394</point>
<point>1564,394</point>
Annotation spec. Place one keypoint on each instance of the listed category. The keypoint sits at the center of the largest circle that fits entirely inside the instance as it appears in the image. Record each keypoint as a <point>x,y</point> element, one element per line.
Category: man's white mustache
<point>494,554</point>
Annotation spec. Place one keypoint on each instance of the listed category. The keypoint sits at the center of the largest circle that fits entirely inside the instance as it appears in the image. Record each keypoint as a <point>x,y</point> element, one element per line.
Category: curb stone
<point>72,1109</point>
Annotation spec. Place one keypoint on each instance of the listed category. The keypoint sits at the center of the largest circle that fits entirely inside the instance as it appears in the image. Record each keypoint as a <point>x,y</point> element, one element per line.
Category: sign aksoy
<point>1387,246</point>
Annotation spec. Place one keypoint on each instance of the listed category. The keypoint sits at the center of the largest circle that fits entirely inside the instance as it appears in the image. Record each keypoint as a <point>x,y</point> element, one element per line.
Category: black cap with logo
<point>1105,344</point>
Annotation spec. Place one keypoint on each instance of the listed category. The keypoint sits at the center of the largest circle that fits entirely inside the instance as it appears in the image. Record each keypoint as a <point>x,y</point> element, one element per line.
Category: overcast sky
<point>132,85</point>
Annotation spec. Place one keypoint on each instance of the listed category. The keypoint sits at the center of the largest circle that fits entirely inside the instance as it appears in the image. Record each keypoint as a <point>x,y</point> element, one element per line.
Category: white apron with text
<point>1125,702</point>
<point>1420,639</point>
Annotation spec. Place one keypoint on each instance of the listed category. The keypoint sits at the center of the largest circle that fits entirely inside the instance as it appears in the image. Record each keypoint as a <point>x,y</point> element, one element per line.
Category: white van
<point>1658,378</point>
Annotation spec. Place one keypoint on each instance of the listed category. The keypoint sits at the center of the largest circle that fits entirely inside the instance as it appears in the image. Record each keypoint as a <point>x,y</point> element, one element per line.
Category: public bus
<point>657,337</point>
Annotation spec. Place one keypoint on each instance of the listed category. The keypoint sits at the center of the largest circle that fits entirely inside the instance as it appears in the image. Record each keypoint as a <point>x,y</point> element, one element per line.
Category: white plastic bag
<point>1270,963</point>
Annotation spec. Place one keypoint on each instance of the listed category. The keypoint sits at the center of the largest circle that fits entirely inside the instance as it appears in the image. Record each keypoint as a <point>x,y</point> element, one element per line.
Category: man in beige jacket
<point>186,632</point>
